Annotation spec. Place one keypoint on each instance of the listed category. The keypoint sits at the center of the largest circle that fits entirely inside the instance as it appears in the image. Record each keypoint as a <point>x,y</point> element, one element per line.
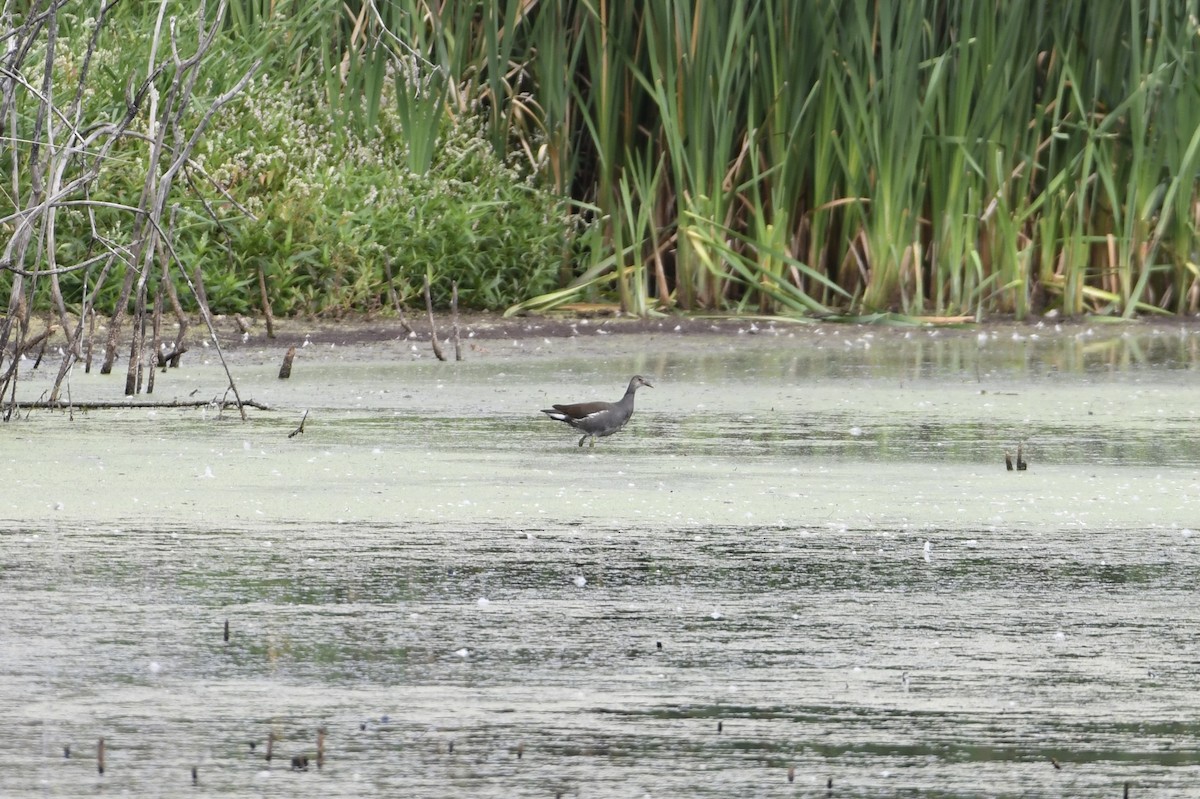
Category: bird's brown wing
<point>583,409</point>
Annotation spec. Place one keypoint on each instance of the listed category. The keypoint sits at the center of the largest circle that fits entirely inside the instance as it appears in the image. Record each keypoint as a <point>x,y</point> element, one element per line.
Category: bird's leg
<point>581,438</point>
<point>593,444</point>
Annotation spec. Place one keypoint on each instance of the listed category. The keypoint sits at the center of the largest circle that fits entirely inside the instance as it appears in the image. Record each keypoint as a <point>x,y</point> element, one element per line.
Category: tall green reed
<point>817,157</point>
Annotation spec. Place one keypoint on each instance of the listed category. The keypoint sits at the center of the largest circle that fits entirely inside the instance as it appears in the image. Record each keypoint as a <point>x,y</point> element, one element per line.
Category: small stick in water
<point>320,747</point>
<point>1056,764</point>
<point>100,756</point>
<point>67,750</point>
<point>450,747</point>
<point>172,358</point>
<point>300,763</point>
<point>1021,464</point>
<point>520,750</point>
<point>227,631</point>
<point>454,321</point>
<point>387,270</point>
<point>1008,461</point>
<point>433,339</point>
<point>285,371</point>
<point>195,776</point>
<point>720,726</point>
<point>791,773</point>
<point>659,644</point>
<point>270,744</point>
<point>299,429</point>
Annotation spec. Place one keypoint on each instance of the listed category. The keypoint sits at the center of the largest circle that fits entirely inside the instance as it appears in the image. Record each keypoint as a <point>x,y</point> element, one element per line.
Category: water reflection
<point>932,354</point>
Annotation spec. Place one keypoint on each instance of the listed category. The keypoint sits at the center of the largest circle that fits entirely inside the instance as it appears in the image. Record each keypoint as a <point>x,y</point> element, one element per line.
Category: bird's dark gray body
<point>599,419</point>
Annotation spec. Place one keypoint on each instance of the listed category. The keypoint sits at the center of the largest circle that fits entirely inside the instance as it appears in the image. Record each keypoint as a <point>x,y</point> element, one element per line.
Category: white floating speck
<point>464,652</point>
<point>483,602</point>
<point>579,580</point>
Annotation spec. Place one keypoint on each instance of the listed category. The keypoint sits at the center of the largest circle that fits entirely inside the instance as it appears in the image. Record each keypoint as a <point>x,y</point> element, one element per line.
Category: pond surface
<point>802,564</point>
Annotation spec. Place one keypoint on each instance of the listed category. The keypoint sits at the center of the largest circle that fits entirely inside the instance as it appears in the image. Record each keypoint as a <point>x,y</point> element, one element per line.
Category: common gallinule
<point>599,418</point>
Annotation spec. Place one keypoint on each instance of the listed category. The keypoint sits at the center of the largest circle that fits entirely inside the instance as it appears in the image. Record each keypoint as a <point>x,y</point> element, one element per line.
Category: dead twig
<point>299,429</point>
<point>437,348</point>
<point>106,405</point>
<point>454,321</point>
<point>387,268</point>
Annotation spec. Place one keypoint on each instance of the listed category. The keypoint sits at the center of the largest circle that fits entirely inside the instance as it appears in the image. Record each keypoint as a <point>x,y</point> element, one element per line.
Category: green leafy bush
<point>324,211</point>
<point>332,209</point>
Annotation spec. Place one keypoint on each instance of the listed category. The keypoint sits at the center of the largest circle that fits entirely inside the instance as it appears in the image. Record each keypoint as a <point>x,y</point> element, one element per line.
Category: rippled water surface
<point>802,565</point>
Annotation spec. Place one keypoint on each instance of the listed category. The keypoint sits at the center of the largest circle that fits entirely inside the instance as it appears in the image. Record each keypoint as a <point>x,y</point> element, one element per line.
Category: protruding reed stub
<point>320,747</point>
<point>100,756</point>
<point>450,747</point>
<point>195,776</point>
<point>659,645</point>
<point>299,429</point>
<point>1126,794</point>
<point>1057,766</point>
<point>720,726</point>
<point>252,745</point>
<point>1021,464</point>
<point>791,773</point>
<point>227,631</point>
<point>270,745</point>
<point>300,763</point>
<point>520,750</point>
<point>285,370</point>
<point>67,751</point>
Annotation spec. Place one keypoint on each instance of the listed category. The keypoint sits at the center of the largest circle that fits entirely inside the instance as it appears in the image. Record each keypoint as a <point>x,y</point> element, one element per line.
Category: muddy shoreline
<point>486,336</point>
<point>379,330</point>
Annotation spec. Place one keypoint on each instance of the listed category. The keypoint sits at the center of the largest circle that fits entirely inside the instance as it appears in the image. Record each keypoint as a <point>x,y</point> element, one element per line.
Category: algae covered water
<point>801,570</point>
